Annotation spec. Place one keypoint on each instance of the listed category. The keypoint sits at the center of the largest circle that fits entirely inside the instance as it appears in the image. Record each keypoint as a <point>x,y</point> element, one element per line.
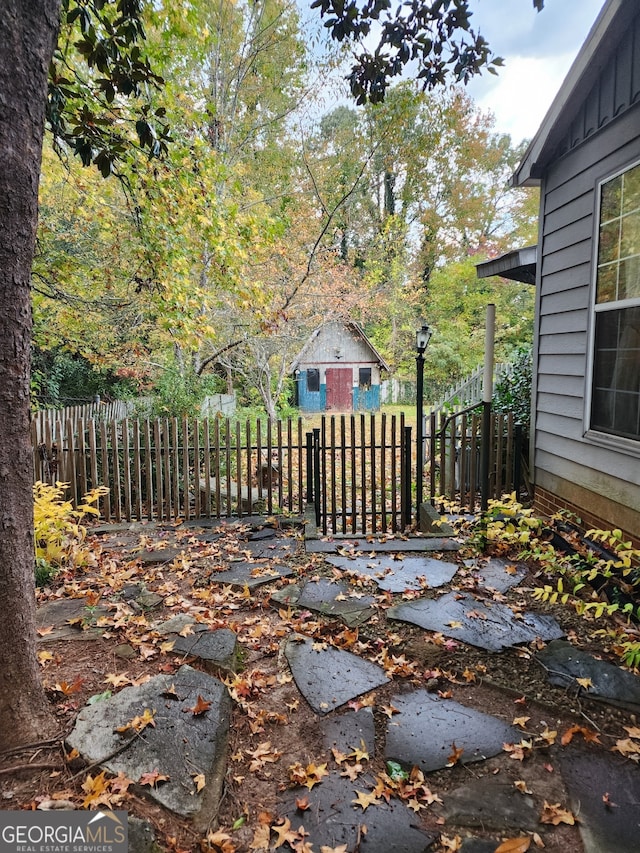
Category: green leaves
<point>84,111</point>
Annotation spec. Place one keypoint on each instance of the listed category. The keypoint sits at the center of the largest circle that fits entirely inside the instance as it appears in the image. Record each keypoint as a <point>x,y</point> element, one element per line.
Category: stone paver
<point>331,598</point>
<point>180,745</point>
<point>496,573</point>
<point>350,730</point>
<point>381,546</point>
<point>565,663</point>
<point>328,677</point>
<point>398,575</point>
<point>426,731</point>
<point>251,574</point>
<point>491,803</point>
<point>69,619</point>
<point>486,624</point>
<point>591,775</point>
<point>332,819</point>
<point>217,649</point>
<point>426,728</point>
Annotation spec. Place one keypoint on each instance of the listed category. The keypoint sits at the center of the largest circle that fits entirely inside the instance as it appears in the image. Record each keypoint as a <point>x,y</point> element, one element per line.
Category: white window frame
<point>606,439</point>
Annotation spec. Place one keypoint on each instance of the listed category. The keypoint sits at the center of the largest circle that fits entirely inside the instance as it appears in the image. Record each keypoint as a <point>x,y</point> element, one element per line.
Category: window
<point>615,398</point>
<point>313,379</point>
<point>364,378</point>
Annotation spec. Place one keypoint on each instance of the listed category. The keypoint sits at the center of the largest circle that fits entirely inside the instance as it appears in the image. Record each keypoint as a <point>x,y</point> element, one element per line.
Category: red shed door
<point>339,385</point>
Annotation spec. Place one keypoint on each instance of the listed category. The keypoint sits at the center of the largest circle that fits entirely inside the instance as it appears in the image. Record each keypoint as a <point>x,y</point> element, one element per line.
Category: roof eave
<point>580,77</point>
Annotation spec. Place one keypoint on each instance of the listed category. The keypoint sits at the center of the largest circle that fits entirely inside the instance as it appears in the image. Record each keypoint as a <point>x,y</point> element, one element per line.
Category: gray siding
<point>615,90</point>
<point>566,247</point>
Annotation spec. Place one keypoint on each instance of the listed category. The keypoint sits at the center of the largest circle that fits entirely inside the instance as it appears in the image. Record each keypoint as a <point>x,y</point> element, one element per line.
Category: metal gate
<point>361,469</point>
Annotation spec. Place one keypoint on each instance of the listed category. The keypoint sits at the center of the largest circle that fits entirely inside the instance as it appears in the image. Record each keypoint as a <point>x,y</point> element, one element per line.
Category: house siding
<point>565,458</point>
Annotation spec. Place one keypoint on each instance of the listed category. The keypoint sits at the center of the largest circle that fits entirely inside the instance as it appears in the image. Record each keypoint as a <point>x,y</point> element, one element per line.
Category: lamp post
<point>423,337</point>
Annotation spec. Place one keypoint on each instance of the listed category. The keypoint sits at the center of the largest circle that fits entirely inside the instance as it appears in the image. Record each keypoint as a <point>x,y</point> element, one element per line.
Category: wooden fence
<point>358,470</point>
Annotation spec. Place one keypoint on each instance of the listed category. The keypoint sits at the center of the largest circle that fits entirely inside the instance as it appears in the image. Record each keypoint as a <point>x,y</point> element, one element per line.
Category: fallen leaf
<point>451,844</point>
<point>360,754</point>
<point>456,754</point>
<point>199,779</point>
<point>521,785</point>
<point>67,689</point>
<point>338,757</point>
<point>553,813</point>
<point>586,683</point>
<point>139,722</point>
<point>365,800</point>
<point>117,680</point>
<point>201,706</point>
<point>352,771</point>
<point>221,841</point>
<point>515,845</point>
<point>152,779</point>
<point>607,802</point>
<point>521,721</point>
<point>285,834</point>
<point>261,838</point>
<point>302,803</point>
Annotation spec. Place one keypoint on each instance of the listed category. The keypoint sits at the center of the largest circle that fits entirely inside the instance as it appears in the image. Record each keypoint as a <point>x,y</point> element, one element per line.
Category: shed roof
<point>351,326</point>
<point>519,265</point>
<point>612,22</point>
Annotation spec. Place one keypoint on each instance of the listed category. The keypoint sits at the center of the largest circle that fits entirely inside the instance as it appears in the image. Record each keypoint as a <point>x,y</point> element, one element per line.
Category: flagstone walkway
<point>531,790</point>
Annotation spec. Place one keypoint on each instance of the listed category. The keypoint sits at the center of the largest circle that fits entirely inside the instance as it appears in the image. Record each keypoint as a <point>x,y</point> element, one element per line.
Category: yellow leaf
<point>365,800</point>
<point>585,682</point>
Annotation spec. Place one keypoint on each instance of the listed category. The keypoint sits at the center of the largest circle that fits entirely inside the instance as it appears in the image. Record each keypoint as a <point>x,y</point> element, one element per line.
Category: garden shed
<point>338,370</point>
<point>586,361</point>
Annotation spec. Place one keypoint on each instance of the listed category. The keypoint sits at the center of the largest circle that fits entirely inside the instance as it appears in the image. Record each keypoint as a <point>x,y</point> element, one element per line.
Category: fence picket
<point>169,468</point>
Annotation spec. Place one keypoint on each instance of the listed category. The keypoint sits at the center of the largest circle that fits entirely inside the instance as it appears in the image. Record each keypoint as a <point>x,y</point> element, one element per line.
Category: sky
<point>538,49</point>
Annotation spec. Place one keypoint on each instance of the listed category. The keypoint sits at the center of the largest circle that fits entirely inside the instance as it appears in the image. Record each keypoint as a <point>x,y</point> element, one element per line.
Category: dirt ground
<point>268,709</point>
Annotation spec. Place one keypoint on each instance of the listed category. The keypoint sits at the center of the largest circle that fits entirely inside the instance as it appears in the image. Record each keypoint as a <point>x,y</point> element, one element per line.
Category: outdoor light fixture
<point>423,336</point>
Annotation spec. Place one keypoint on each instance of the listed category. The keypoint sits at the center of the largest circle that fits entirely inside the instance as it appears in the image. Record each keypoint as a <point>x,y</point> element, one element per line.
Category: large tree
<point>28,30</point>
<point>28,39</point>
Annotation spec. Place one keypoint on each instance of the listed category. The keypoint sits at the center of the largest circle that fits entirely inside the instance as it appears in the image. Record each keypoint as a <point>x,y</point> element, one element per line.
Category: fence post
<point>405,505</point>
<point>517,459</point>
<point>316,474</point>
<point>309,460</point>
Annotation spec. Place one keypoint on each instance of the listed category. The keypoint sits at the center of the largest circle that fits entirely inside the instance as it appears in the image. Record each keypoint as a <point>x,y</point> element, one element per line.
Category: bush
<point>513,392</point>
<point>59,535</point>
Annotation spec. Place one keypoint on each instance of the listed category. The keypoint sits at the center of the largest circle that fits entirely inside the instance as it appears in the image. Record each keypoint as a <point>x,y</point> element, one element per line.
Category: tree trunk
<point>28,30</point>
